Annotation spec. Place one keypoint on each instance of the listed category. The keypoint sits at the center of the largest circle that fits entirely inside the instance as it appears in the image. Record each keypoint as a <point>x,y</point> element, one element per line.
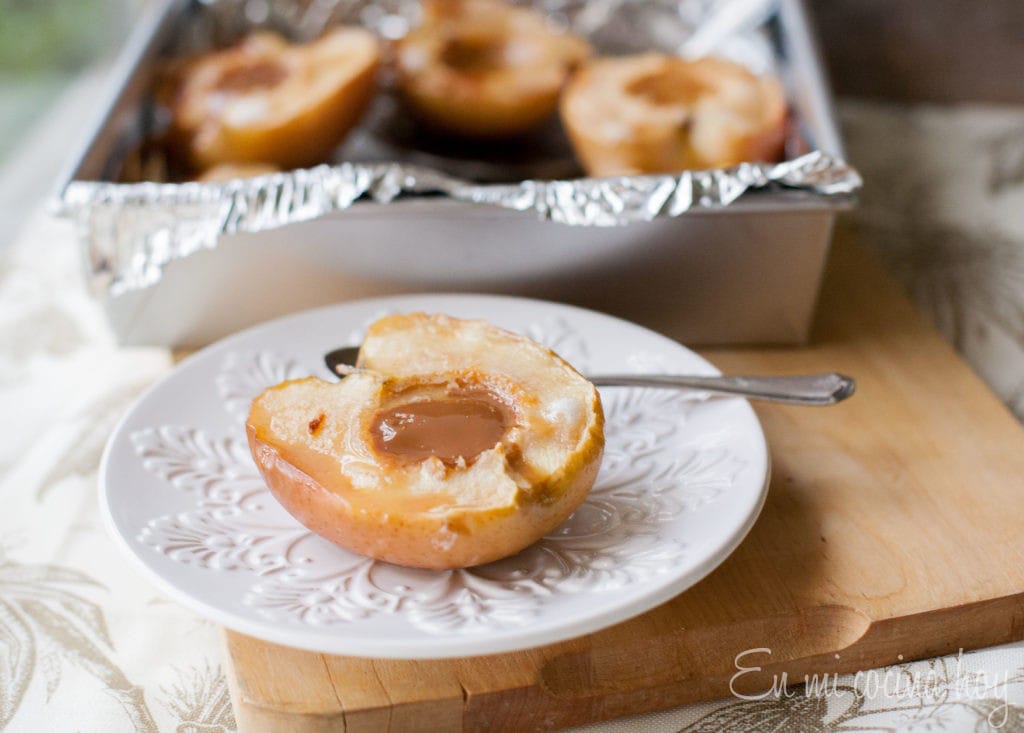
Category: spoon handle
<point>810,389</point>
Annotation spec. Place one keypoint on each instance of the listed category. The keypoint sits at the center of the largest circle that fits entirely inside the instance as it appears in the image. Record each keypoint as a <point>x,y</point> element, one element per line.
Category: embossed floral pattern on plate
<point>659,473</point>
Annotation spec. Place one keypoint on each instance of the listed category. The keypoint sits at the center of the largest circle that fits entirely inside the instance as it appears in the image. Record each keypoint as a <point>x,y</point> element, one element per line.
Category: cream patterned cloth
<point>87,645</point>
<point>943,206</point>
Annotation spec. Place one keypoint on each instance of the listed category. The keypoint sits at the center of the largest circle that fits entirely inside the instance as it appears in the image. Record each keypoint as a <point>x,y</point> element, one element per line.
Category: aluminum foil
<point>132,231</point>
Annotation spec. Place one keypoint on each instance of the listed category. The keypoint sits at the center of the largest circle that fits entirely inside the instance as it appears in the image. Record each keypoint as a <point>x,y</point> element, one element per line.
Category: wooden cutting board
<point>892,530</point>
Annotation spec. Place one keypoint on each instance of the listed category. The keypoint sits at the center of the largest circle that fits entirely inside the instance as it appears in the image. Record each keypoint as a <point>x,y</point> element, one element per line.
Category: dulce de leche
<point>449,428</point>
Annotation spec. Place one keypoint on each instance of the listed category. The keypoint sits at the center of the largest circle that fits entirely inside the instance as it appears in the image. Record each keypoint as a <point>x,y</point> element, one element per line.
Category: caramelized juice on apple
<point>451,428</point>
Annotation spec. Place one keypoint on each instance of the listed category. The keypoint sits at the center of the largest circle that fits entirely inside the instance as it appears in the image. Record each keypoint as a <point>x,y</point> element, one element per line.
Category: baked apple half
<point>653,113</point>
<point>483,68</point>
<point>270,102</point>
<point>455,444</point>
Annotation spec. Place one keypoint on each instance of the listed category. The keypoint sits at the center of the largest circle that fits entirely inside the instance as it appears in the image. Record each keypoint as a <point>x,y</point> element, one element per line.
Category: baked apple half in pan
<point>269,102</point>
<point>484,68</point>
<point>653,113</point>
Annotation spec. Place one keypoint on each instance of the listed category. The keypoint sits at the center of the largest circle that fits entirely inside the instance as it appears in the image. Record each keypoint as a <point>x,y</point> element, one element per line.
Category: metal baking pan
<point>737,253</point>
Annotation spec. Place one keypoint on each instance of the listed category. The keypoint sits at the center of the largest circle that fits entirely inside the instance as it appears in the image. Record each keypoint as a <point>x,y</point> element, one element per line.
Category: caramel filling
<point>248,77</point>
<point>450,428</point>
<point>672,84</point>
<point>475,55</point>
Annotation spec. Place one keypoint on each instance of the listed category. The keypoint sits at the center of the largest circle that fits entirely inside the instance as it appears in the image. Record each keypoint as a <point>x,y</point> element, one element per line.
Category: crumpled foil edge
<point>133,231</point>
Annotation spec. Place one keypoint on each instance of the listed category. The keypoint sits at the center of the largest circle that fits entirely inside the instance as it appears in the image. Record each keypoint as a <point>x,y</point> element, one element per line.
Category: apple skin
<point>460,538</point>
<point>477,114</point>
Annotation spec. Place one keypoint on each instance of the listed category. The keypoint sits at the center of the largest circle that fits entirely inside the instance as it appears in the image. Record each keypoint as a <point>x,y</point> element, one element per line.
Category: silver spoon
<point>805,389</point>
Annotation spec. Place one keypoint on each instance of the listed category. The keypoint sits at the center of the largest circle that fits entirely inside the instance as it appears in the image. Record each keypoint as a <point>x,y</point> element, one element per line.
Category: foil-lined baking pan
<point>741,248</point>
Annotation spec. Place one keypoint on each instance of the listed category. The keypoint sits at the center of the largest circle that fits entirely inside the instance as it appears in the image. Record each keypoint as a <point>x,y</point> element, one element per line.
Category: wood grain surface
<point>892,527</point>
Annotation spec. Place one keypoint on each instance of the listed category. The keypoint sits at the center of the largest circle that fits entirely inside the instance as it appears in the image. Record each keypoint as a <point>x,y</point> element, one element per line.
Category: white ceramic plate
<point>682,481</point>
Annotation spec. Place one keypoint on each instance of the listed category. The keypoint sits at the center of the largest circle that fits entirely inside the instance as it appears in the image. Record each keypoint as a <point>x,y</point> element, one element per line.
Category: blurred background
<point>909,51</point>
<point>46,46</point>
<point>930,98</point>
<point>913,50</point>
<point>903,51</point>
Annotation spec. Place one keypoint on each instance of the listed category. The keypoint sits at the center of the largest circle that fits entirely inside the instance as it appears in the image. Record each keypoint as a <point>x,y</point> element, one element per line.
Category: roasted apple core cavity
<point>450,427</point>
<point>263,74</point>
<point>670,85</point>
<point>475,55</point>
